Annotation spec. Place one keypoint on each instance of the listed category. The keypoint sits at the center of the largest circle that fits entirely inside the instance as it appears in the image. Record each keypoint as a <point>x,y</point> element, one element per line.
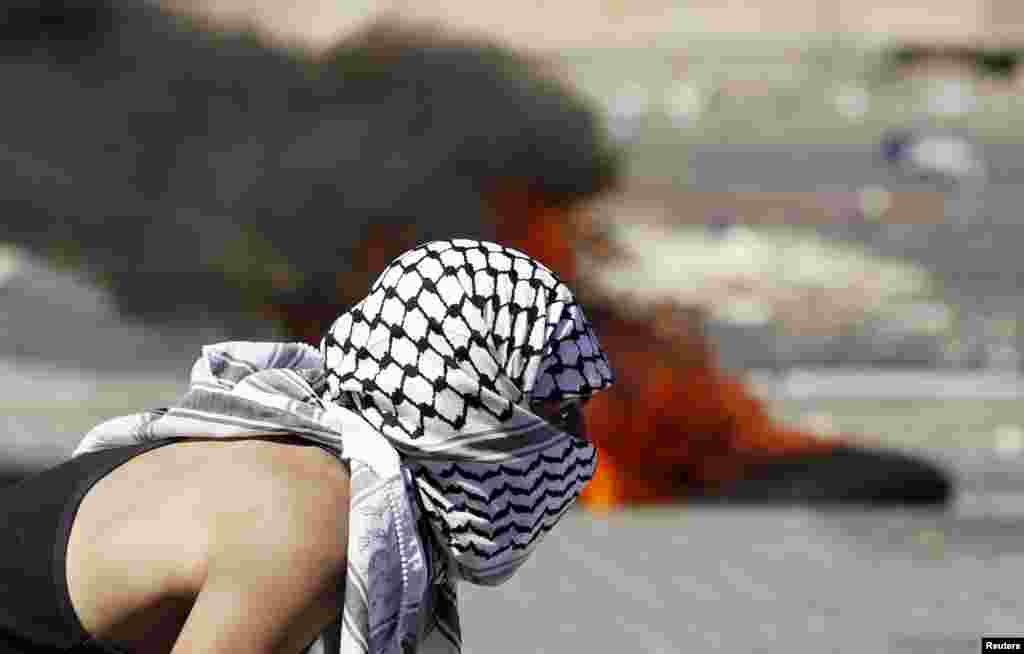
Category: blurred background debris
<point>795,225</point>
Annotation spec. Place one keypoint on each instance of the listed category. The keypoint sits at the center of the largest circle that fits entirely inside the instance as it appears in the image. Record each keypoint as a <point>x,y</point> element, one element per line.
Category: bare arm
<point>274,574</point>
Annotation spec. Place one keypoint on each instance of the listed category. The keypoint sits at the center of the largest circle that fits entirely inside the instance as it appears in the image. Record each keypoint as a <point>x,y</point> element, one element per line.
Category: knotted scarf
<point>425,389</point>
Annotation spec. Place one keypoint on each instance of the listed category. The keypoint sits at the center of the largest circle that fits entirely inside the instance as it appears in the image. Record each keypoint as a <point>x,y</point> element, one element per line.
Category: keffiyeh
<point>425,389</point>
<point>444,357</point>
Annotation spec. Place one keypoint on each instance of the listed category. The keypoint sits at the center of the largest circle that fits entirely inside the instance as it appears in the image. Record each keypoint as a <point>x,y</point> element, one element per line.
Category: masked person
<point>321,500</point>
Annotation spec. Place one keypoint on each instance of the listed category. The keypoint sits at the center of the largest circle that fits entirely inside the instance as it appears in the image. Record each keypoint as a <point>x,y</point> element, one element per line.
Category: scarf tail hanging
<point>424,388</point>
<point>387,571</point>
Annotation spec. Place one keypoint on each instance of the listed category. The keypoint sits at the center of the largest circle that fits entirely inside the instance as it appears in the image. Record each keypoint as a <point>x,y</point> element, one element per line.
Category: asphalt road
<point>695,579</point>
<point>760,580</point>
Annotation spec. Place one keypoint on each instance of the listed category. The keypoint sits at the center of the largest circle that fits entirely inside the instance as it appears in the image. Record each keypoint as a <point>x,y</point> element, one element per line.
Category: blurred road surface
<point>766,580</point>
<point>695,579</point>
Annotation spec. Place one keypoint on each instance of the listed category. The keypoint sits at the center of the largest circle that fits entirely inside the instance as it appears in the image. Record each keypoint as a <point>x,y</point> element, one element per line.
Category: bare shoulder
<point>209,489</point>
<point>278,495</point>
<point>253,521</point>
<point>276,559</point>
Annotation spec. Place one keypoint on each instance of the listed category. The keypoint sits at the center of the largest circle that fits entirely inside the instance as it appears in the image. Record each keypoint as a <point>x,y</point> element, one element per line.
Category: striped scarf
<point>425,389</point>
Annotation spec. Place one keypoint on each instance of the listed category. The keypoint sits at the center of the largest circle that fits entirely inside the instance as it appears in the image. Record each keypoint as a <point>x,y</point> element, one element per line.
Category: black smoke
<point>195,171</point>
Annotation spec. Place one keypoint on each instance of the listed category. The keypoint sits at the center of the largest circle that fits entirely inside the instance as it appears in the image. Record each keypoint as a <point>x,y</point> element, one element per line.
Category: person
<point>324,499</point>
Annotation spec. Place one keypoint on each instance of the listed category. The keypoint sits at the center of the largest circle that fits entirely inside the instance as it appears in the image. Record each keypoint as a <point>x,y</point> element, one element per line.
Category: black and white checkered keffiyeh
<point>425,389</point>
<point>444,357</point>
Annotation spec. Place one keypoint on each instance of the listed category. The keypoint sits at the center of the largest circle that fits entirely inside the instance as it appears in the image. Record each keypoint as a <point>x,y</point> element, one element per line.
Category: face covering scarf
<point>425,389</point>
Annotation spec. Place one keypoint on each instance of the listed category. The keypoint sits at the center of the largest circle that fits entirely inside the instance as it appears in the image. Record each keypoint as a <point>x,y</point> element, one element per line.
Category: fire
<point>674,424</point>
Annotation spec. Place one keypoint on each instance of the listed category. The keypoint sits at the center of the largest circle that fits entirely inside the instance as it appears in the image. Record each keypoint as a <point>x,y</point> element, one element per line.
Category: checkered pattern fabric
<point>425,389</point>
<point>457,333</point>
<point>444,357</point>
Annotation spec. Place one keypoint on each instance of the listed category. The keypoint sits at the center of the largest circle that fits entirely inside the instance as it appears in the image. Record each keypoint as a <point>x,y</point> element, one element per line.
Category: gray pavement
<point>736,579</point>
<point>694,579</point>
<point>767,580</point>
